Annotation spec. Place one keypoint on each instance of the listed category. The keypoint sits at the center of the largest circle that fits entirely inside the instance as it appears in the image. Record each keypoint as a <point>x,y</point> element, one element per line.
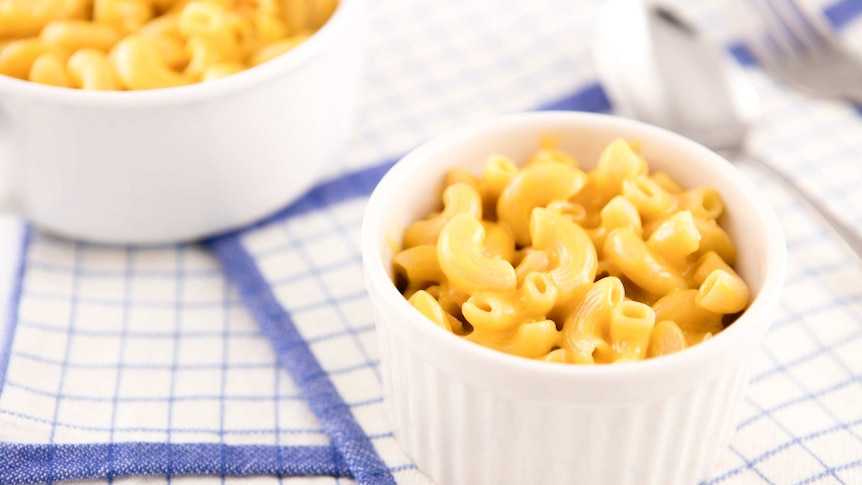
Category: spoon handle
<point>851,238</point>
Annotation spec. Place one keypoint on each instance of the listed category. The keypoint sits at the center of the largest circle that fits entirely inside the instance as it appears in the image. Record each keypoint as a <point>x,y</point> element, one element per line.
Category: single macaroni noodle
<point>552,262</point>
<point>148,44</point>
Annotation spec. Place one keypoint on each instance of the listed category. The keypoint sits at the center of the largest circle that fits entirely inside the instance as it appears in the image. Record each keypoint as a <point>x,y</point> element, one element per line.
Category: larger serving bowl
<point>471,415</point>
<point>181,163</point>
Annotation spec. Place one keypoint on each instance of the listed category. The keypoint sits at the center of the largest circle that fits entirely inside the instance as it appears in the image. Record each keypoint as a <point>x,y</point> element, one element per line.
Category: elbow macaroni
<point>148,44</point>
<point>555,263</point>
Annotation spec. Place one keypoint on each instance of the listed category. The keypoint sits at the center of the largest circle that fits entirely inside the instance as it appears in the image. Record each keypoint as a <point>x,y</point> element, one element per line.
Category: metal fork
<point>802,52</point>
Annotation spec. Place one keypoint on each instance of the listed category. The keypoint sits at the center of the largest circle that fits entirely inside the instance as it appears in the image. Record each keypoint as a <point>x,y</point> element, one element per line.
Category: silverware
<point>802,52</point>
<point>657,68</point>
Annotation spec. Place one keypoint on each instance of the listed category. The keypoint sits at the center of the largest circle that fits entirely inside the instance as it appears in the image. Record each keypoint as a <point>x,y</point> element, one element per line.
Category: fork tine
<point>821,67</point>
<point>779,16</point>
<point>815,31</point>
<point>777,39</point>
<point>799,26</point>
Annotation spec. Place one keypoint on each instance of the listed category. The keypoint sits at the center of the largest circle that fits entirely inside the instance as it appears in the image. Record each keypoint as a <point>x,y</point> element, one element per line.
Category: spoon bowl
<point>657,68</point>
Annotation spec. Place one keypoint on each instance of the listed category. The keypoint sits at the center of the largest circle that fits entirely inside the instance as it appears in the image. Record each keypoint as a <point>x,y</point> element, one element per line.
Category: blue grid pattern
<point>150,359</point>
<point>160,372</point>
<point>173,342</point>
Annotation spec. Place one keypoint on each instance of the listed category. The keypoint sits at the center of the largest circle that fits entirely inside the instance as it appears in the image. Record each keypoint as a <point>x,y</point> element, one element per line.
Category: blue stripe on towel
<point>843,12</point>
<point>31,464</point>
<point>296,357</point>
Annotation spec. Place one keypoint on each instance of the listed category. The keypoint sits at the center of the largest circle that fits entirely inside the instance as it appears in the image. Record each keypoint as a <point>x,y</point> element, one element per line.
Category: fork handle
<point>851,238</point>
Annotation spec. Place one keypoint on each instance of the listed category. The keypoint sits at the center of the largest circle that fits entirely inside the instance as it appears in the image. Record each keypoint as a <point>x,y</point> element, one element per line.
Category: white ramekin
<point>471,415</point>
<point>180,163</point>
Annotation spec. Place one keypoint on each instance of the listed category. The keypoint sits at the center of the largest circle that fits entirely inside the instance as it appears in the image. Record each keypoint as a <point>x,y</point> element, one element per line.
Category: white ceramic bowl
<point>177,164</point>
<point>472,415</point>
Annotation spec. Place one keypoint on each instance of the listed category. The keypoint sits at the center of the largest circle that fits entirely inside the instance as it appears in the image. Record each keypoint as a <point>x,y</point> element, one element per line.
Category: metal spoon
<point>656,68</point>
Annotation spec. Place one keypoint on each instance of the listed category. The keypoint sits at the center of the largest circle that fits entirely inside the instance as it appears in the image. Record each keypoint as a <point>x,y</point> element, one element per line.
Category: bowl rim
<point>345,14</point>
<point>379,283</point>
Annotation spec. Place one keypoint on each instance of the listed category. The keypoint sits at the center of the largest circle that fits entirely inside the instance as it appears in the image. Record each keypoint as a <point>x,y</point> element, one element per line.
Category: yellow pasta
<point>72,35</point>
<point>531,340</point>
<point>714,238</point>
<point>560,356</point>
<point>91,69</point>
<point>704,203</point>
<point>419,264</point>
<point>204,54</point>
<point>125,15</point>
<point>499,242</point>
<point>617,163</point>
<point>571,210</point>
<point>682,308</point>
<point>163,6</point>
<point>723,292</point>
<point>666,338</point>
<point>532,260</point>
<point>297,15</point>
<point>165,33</point>
<point>587,330</point>
<point>666,182</point>
<point>269,28</point>
<point>549,262</point>
<point>25,18</point>
<point>617,213</point>
<point>535,186</point>
<point>430,307</point>
<point>571,255</point>
<point>496,175</point>
<point>320,11</point>
<point>461,175</point>
<point>457,199</point>
<point>460,254</point>
<point>649,198</point>
<point>641,264</point>
<point>49,69</point>
<point>219,70</point>
<point>706,264</point>
<point>550,153</point>
<point>630,328</point>
<point>150,44</point>
<point>138,65</point>
<point>17,58</point>
<point>450,298</point>
<point>675,239</point>
<point>498,315</point>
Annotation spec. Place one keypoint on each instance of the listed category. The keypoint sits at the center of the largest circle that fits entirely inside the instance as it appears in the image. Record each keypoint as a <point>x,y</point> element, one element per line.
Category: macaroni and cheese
<point>552,262</point>
<point>148,44</point>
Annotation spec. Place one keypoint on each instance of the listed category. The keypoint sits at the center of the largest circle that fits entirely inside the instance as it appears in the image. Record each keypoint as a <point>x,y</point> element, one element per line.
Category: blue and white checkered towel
<point>255,353</point>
